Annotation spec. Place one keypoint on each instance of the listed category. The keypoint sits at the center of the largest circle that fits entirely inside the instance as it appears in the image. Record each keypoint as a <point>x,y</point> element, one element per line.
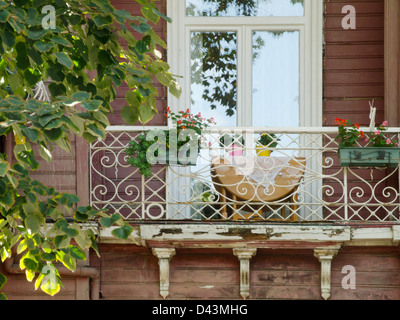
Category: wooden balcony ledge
<point>182,234</point>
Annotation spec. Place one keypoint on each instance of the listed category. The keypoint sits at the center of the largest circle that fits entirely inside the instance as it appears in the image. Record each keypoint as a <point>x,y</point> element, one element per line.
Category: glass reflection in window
<point>244,8</point>
<point>214,76</point>
<point>276,79</point>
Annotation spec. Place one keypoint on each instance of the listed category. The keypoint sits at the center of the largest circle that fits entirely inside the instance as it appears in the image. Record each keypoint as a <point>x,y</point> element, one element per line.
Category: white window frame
<point>310,27</point>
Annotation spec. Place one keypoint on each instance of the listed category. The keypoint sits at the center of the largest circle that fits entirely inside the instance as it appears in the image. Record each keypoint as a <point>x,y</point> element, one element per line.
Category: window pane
<point>214,76</point>
<point>240,8</point>
<point>276,79</point>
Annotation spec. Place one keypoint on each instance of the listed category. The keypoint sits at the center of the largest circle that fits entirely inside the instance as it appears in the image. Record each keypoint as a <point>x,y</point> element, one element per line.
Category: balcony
<point>301,181</point>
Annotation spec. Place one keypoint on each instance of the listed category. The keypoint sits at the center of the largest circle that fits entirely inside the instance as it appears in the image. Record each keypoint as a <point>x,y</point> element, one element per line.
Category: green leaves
<point>57,89</point>
<point>105,58</point>
<point>20,3</point>
<point>143,46</point>
<point>61,41</point>
<point>43,46</point>
<point>4,15</point>
<point>109,221</point>
<point>7,199</point>
<point>102,20</point>
<point>49,280</point>
<point>36,34</point>
<point>142,27</point>
<point>33,223</point>
<point>81,96</point>
<point>130,115</point>
<point>32,76</point>
<point>3,4</point>
<point>4,168</point>
<point>77,253</point>
<point>84,60</point>
<point>93,105</point>
<point>22,56</point>
<point>123,232</point>
<point>3,281</point>
<point>64,59</point>
<point>8,38</point>
<point>34,219</point>
<point>27,157</point>
<point>63,225</point>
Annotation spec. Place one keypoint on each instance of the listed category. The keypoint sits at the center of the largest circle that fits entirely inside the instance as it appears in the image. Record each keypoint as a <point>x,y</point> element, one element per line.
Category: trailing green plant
<point>141,157</point>
<point>83,61</point>
<point>137,155</point>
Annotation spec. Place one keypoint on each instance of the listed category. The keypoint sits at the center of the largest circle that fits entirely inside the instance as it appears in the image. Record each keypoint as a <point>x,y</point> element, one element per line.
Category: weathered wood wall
<point>18,288</point>
<point>119,103</point>
<point>353,75</point>
<point>129,272</point>
<point>354,62</point>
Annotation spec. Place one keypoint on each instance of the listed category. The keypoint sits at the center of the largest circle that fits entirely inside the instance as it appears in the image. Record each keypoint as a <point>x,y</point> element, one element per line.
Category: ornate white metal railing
<point>301,180</point>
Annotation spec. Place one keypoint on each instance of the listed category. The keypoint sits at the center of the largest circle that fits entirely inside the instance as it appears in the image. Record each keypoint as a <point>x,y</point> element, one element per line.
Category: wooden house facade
<point>355,259</point>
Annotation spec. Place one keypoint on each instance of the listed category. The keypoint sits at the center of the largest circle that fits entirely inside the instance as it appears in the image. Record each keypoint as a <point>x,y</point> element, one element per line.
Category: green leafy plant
<point>83,62</point>
<point>137,150</point>
<point>204,197</point>
<point>268,140</point>
<point>137,155</point>
<point>227,140</point>
<point>3,281</point>
<point>349,133</point>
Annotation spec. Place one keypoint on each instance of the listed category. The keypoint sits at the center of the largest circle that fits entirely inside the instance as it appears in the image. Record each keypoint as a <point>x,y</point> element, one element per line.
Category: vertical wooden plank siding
<point>82,171</point>
<point>18,288</point>
<point>353,75</point>
<point>354,62</point>
<point>120,102</point>
<point>392,61</point>
<point>131,273</point>
<point>354,68</point>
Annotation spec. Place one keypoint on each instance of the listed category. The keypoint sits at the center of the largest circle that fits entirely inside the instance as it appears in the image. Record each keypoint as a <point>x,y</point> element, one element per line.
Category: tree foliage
<point>83,61</point>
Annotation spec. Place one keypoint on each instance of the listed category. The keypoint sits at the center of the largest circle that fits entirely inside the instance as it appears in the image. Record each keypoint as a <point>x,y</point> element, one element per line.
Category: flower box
<point>369,157</point>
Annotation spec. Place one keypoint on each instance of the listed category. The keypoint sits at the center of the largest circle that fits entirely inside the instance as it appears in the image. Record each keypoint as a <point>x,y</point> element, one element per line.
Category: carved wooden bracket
<point>325,256</point>
<point>244,256</point>
<point>164,255</point>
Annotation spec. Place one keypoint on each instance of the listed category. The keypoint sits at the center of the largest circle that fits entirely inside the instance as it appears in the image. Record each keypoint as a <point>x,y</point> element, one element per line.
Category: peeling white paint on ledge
<point>229,235</point>
<point>243,232</point>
